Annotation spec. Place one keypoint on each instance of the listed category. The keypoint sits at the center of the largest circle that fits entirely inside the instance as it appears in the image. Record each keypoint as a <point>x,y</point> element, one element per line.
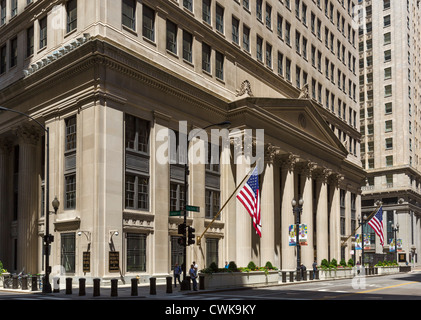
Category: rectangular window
<point>206,58</point>
<point>187,46</point>
<point>212,203</point>
<point>171,37</point>
<point>188,4</point>
<point>70,191</point>
<point>177,196</point>
<point>2,12</point>
<point>206,11</point>
<point>259,48</point>
<point>219,18</point>
<point>137,191</point>
<point>212,252</point>
<point>71,10</point>
<point>14,8</point>
<point>387,55</point>
<point>43,33</point>
<point>136,252</point>
<point>219,65</point>
<point>235,30</point>
<point>29,41</point>
<point>70,163</point>
<point>246,38</point>
<point>13,52</point>
<point>68,252</point>
<point>388,126</point>
<point>148,23</point>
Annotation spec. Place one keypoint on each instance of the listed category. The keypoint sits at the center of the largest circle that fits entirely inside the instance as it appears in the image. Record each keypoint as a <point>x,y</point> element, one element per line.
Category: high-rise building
<point>390,100</point>
<point>108,78</point>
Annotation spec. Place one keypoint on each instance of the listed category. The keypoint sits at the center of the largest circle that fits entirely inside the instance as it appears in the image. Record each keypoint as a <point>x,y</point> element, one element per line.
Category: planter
<point>340,273</point>
<point>388,270</point>
<point>2,276</point>
<point>239,279</point>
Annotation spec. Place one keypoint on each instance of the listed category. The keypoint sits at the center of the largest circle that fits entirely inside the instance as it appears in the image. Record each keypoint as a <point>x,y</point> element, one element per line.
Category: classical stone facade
<point>106,85</point>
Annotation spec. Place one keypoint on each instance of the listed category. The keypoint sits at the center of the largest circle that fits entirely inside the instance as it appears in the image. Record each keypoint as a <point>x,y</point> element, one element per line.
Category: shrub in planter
<point>251,266</point>
<point>351,262</point>
<point>232,267</point>
<point>343,263</point>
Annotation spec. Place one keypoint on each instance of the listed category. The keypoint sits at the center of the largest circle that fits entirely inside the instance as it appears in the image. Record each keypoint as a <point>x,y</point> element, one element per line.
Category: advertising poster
<point>366,241</point>
<point>392,245</point>
<point>292,236</point>
<point>303,235</point>
<point>358,245</point>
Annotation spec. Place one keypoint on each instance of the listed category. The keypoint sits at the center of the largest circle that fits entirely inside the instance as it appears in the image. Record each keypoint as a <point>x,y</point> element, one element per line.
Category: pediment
<point>298,116</point>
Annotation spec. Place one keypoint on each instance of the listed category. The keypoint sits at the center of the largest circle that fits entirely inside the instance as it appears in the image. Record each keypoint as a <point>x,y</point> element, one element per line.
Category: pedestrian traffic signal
<point>190,236</point>
<point>182,241</point>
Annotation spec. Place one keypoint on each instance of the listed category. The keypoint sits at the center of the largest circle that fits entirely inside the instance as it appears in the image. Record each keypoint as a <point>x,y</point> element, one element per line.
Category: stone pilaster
<point>335,218</point>
<point>5,218</point>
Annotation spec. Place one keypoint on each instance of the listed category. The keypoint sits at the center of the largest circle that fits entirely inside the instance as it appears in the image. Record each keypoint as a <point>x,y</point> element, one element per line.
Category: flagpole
<point>199,238</point>
<point>369,217</point>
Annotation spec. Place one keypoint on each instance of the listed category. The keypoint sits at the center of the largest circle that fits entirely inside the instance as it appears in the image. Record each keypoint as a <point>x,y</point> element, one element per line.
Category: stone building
<point>108,77</point>
<point>389,60</point>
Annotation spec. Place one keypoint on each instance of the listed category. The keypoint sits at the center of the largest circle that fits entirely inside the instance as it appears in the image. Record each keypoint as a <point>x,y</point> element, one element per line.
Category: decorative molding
<point>245,88</point>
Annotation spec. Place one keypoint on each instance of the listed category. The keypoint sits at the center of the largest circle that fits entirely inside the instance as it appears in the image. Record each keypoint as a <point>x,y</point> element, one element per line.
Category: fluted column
<point>322,230</point>
<point>287,218</point>
<point>335,218</point>
<point>307,252</point>
<point>27,249</point>
<point>5,219</point>
<point>267,243</point>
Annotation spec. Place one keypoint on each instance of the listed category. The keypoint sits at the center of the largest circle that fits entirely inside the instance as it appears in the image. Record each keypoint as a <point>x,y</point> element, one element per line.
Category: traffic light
<point>182,229</point>
<point>190,235</point>
<point>181,241</point>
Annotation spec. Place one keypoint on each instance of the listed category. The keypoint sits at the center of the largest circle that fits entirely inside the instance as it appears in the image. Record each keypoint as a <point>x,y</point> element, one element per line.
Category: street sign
<point>175,213</point>
<point>193,208</point>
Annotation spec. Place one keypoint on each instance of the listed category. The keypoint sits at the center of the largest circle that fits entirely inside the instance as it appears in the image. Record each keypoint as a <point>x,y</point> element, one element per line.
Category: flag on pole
<point>377,224</point>
<point>249,197</point>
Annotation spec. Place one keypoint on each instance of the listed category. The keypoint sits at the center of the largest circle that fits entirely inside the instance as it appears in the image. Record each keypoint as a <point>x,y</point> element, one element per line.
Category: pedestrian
<point>303,269</point>
<point>314,266</point>
<point>177,273</point>
<point>226,265</point>
<point>193,276</point>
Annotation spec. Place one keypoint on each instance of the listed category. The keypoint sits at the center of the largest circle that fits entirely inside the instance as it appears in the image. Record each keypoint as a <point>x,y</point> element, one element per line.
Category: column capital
<point>322,174</point>
<point>336,178</point>
<point>6,145</point>
<point>271,153</point>
<point>288,161</point>
<point>28,134</point>
<point>306,168</point>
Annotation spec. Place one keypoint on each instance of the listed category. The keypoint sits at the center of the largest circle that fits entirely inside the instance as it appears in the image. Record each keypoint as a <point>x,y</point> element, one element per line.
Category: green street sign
<point>193,208</point>
<point>175,213</point>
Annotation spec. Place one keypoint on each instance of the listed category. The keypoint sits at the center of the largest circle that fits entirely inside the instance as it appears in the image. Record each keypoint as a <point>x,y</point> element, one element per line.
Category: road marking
<point>368,291</point>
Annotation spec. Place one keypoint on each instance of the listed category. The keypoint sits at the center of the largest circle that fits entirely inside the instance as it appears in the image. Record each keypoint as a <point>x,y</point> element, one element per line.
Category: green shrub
<point>351,262</point>
<point>343,263</point>
<point>269,266</point>
<point>213,267</point>
<point>232,266</point>
<point>325,263</point>
<point>251,266</point>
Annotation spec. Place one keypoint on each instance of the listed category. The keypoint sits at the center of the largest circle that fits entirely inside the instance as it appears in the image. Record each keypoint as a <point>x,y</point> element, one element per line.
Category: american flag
<point>249,197</point>
<point>377,224</point>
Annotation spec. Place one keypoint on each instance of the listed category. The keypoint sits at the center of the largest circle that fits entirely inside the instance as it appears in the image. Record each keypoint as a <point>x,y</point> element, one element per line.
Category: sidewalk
<point>124,291</point>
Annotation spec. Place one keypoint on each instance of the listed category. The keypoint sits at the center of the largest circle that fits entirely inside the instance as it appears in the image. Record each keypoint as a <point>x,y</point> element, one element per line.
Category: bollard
<point>201,282</point>
<point>15,282</point>
<point>152,282</point>
<point>298,275</point>
<point>96,287</point>
<point>114,289</point>
<point>134,287</point>
<point>317,275</point>
<point>56,284</point>
<point>284,276</point>
<point>169,284</point>
<point>69,285</point>
<point>291,276</point>
<point>311,275</point>
<point>34,280</point>
<point>25,282</point>
<point>305,275</point>
<point>82,286</point>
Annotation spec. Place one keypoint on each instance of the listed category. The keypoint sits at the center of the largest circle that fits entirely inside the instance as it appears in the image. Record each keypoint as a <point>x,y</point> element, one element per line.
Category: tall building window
<point>137,163</point>
<point>148,23</point>
<point>219,18</point>
<point>212,251</point>
<point>136,252</point>
<point>188,4</point>
<point>13,52</point>
<point>2,12</point>
<point>235,30</point>
<point>68,252</point>
<point>259,48</point>
<point>212,182</point>
<point>206,11</point>
<point>71,10</point>
<point>246,38</point>
<point>219,65</point>
<point>14,8</point>
<point>129,14</point>
<point>43,33</point>
<point>187,46</point>
<point>70,163</point>
<point>171,37</point>
<point>30,41</point>
<point>206,57</point>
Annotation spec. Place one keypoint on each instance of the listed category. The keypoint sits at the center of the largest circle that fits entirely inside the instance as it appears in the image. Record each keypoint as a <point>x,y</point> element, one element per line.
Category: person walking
<point>177,273</point>
<point>193,276</point>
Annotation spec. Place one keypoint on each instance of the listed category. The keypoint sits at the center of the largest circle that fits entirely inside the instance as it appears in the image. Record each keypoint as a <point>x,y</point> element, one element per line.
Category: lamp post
<point>362,220</point>
<point>395,229</point>
<point>184,284</point>
<point>48,238</point>
<point>297,210</point>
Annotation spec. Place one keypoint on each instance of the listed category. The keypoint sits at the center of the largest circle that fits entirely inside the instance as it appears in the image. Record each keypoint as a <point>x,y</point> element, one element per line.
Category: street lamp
<point>224,125</point>
<point>48,238</point>
<point>297,210</point>
<point>395,229</point>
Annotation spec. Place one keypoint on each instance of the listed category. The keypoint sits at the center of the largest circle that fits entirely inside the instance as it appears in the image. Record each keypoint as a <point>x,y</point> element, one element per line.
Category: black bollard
<point>96,287</point>
<point>134,287</point>
<point>305,275</point>
<point>25,282</point>
<point>34,280</point>
<point>169,284</point>
<point>201,282</point>
<point>15,282</point>
<point>284,276</point>
<point>114,289</point>
<point>291,276</point>
<point>69,285</point>
<point>82,286</point>
<point>152,282</point>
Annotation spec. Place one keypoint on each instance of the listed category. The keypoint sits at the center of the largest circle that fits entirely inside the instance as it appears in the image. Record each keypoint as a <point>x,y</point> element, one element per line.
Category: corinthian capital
<point>288,161</point>
<point>28,134</point>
